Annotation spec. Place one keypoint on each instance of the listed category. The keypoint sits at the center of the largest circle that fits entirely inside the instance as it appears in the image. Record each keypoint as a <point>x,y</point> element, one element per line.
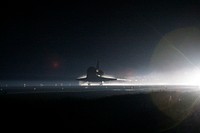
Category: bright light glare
<point>194,78</point>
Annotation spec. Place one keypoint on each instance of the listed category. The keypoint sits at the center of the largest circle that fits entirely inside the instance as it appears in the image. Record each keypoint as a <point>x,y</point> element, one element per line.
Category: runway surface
<point>72,108</point>
<point>15,87</point>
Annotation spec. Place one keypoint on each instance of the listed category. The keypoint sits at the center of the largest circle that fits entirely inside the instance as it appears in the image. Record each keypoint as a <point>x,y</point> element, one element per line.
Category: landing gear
<point>96,83</point>
<point>101,84</point>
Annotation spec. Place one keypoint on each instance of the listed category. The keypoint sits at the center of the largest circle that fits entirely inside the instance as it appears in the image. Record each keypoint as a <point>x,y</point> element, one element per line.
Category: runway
<point>24,87</point>
<point>128,108</point>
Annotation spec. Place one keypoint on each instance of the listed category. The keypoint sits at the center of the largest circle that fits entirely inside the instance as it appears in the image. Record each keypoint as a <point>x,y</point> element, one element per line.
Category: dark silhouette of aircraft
<point>94,74</point>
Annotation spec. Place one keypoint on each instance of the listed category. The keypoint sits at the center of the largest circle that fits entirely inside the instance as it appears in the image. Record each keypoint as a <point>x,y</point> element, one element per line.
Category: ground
<point>157,111</point>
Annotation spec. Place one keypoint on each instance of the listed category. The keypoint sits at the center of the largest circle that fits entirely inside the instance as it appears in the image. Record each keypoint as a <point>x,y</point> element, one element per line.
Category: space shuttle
<point>95,74</point>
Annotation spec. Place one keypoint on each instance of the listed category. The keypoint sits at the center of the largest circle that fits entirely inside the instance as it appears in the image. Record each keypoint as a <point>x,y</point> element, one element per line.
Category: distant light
<point>24,85</point>
<point>55,64</point>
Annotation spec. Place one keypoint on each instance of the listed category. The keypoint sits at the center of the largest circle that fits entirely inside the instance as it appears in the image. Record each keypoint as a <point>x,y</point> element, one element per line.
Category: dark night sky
<point>60,40</point>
